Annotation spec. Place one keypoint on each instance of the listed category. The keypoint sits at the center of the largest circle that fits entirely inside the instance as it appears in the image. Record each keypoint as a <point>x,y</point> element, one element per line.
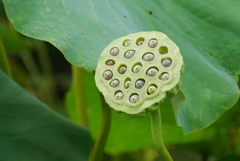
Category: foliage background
<point>206,32</point>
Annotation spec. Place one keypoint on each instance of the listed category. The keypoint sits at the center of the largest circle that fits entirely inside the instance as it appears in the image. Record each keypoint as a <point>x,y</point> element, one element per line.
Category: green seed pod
<point>158,63</point>
<point>114,51</point>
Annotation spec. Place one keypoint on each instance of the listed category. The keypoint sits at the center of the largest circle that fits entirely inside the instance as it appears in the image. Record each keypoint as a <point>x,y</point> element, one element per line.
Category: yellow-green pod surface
<point>136,72</point>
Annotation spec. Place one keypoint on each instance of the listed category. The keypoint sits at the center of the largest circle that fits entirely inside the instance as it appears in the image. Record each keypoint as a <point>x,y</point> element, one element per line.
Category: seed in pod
<point>136,68</point>
<point>107,74</point>
<point>110,62</point>
<point>127,84</point>
<point>114,83</point>
<point>129,54</point>
<point>127,43</point>
<point>148,57</point>
<point>139,83</point>
<point>114,51</point>
<point>167,62</point>
<point>152,71</point>
<point>134,98</point>
<point>152,89</point>
<point>122,69</point>
<point>164,76</point>
<point>119,95</point>
<point>152,43</point>
<point>140,43</point>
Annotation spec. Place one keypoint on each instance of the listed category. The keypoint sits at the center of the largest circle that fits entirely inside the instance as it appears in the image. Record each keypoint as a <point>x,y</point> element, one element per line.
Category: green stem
<point>98,149</point>
<point>31,66</point>
<point>3,60</point>
<point>80,95</point>
<point>157,135</point>
<point>47,73</point>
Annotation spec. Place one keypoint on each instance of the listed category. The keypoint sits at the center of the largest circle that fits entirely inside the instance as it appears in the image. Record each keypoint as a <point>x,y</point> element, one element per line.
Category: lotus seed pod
<point>152,89</point>
<point>127,84</point>
<point>140,77</point>
<point>107,75</point>
<point>152,71</point>
<point>127,43</point>
<point>114,51</point>
<point>140,43</point>
<point>129,54</point>
<point>119,95</point>
<point>134,98</point>
<point>152,43</point>
<point>114,83</point>
<point>137,68</point>
<point>164,76</point>
<point>148,57</point>
<point>167,62</point>
<point>139,83</point>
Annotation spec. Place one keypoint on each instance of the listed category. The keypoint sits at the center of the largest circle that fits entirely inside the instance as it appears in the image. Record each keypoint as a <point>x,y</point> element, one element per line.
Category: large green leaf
<point>206,32</point>
<point>31,131</point>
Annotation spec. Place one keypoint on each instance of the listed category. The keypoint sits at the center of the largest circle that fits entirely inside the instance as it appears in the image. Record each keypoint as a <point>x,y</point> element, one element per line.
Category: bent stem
<point>80,95</point>
<point>98,149</point>
<point>157,136</point>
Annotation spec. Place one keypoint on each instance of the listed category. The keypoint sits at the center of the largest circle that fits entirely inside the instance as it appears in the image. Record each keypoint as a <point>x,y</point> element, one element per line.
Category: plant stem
<point>98,149</point>
<point>157,135</point>
<point>4,65</point>
<point>80,95</point>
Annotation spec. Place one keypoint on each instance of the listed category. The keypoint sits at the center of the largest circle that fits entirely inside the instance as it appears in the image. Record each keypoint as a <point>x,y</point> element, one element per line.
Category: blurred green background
<point>42,70</point>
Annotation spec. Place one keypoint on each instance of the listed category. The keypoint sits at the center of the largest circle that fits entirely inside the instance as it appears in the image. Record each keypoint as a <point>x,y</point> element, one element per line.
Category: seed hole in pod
<point>122,69</point>
<point>108,75</point>
<point>129,54</point>
<point>126,43</point>
<point>136,67</point>
<point>114,83</point>
<point>152,43</point>
<point>119,95</point>
<point>148,57</point>
<point>114,51</point>
<point>139,83</point>
<point>110,62</point>
<point>151,89</point>
<point>163,50</point>
<point>134,98</point>
<point>127,83</point>
<point>140,41</point>
<point>164,76</point>
<point>166,62</point>
<point>152,71</point>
